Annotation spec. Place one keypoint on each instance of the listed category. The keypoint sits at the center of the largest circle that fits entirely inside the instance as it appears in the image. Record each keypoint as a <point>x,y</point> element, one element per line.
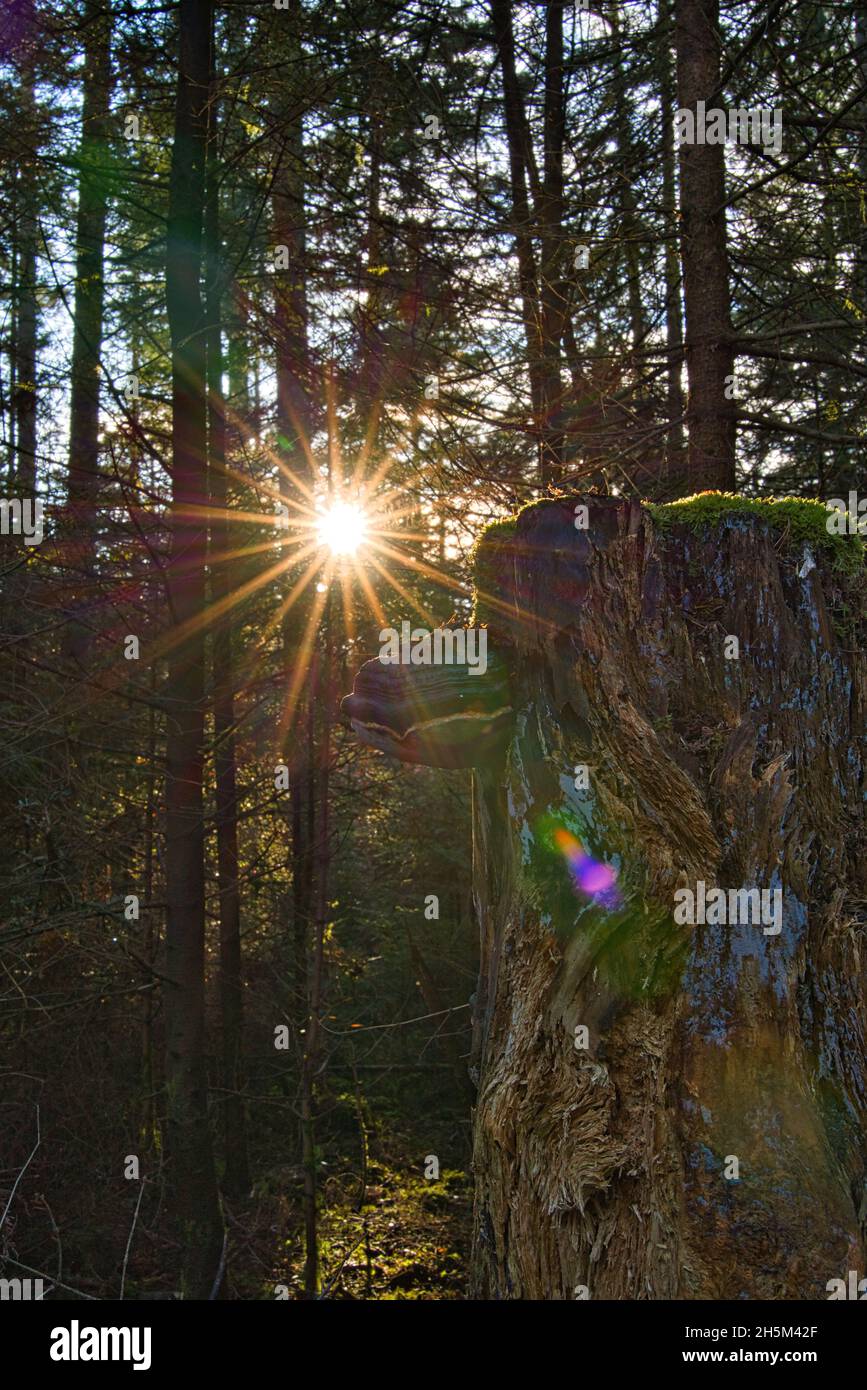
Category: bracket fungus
<point>442,716</point>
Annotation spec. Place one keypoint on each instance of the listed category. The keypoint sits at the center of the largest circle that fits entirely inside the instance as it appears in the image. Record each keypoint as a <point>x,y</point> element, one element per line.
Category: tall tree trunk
<point>711,416</point>
<point>83,489</point>
<point>521,174</point>
<point>149,1105</point>
<point>371,357</point>
<point>193,1177</point>
<point>323,694</point>
<point>860,268</point>
<point>673,319</point>
<point>551,284</point>
<point>236,1179</point>
<point>295,481</point>
<point>21,475</point>
<point>26,314</point>
<point>630,226</point>
<point>293,360</point>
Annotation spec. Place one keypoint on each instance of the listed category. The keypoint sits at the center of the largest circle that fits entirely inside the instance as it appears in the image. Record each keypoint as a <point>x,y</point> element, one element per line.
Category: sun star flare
<point>343,528</point>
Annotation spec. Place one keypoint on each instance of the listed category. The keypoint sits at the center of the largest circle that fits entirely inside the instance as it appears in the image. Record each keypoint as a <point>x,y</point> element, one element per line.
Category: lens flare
<point>342,528</point>
<point>595,879</point>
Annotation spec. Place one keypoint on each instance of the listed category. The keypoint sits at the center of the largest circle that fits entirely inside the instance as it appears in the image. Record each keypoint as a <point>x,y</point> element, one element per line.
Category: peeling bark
<point>605,1167</point>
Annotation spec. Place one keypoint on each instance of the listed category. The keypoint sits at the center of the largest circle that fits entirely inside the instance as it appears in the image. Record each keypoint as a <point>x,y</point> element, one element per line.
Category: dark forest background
<point>257,259</point>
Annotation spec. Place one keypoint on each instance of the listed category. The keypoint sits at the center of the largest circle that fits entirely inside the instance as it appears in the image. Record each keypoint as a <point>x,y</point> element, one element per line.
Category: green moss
<point>482,568</point>
<point>502,529</point>
<point>798,519</point>
<point>801,519</point>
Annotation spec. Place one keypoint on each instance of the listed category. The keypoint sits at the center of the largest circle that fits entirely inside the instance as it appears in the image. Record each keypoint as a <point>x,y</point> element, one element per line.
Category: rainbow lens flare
<point>591,877</point>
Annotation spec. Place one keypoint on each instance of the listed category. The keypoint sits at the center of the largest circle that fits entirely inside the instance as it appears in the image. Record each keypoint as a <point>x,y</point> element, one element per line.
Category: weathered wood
<point>605,1167</point>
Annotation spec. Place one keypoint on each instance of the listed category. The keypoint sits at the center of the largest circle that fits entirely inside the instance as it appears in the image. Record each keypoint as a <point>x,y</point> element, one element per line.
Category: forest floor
<point>402,1236</point>
<point>385,1230</point>
<point>397,1236</point>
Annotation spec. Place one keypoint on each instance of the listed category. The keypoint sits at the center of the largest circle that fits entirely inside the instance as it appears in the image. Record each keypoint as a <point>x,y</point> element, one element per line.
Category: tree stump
<point>664,1110</point>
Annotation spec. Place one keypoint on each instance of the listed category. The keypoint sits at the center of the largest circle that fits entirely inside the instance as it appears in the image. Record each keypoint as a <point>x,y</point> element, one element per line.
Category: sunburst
<point>343,528</point>
<point>328,541</point>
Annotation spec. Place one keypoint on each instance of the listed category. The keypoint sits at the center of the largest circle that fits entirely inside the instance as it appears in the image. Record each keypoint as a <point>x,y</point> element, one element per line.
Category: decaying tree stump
<point>708,1141</point>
